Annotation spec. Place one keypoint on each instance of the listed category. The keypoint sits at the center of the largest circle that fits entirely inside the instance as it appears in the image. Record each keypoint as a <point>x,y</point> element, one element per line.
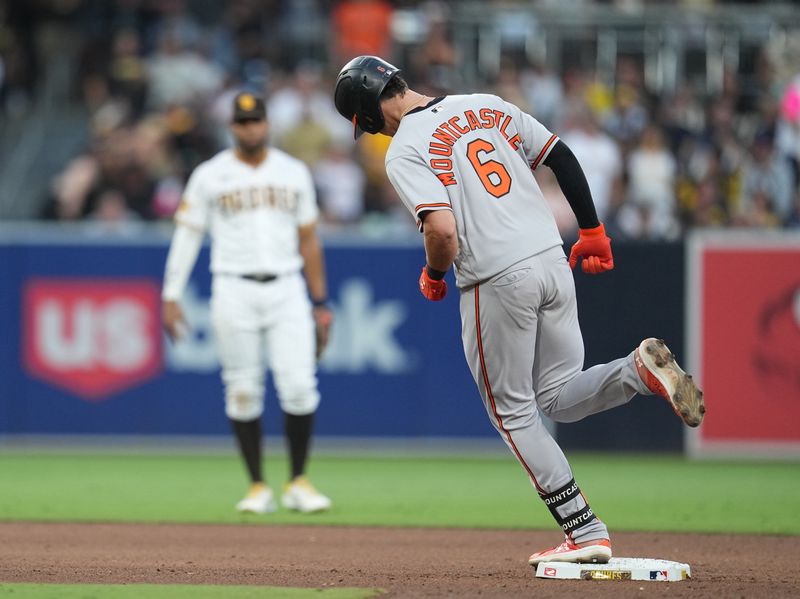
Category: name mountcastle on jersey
<point>474,154</point>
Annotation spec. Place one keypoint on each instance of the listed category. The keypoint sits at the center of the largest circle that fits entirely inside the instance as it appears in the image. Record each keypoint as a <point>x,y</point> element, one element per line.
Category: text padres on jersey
<point>251,198</point>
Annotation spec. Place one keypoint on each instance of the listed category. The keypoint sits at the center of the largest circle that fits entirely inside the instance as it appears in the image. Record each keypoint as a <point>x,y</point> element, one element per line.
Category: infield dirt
<point>403,562</point>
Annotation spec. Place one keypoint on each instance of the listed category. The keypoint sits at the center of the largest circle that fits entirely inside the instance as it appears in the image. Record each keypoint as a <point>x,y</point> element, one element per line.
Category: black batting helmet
<point>358,90</point>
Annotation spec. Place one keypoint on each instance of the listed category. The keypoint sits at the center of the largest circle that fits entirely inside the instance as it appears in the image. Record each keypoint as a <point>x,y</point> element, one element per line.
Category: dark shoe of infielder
<point>660,372</point>
<point>595,552</point>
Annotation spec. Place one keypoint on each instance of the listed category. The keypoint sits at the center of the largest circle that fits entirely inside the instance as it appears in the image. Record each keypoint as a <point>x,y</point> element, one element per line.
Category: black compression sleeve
<point>573,183</point>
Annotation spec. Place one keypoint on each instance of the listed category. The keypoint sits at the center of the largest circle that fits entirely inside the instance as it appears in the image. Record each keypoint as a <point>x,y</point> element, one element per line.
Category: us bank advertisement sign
<point>744,339</point>
<point>82,350</point>
<point>91,337</point>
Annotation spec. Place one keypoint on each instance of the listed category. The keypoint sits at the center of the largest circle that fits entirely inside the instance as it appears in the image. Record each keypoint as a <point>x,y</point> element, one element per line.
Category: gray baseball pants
<point>524,347</point>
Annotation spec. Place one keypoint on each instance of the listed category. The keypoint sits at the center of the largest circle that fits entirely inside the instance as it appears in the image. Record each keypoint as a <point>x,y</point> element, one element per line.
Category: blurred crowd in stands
<point>156,79</point>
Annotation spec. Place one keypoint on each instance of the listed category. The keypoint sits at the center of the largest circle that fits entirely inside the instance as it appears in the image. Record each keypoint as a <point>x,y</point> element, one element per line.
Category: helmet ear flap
<point>368,112</point>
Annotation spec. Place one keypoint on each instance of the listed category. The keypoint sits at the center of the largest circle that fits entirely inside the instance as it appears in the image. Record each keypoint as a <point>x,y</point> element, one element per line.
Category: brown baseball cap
<point>248,107</point>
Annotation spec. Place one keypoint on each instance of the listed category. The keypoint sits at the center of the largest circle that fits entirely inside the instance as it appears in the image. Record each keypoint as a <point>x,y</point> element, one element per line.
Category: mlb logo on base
<point>92,337</point>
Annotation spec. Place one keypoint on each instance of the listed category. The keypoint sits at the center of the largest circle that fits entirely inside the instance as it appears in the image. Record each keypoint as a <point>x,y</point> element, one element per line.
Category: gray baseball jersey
<point>473,154</point>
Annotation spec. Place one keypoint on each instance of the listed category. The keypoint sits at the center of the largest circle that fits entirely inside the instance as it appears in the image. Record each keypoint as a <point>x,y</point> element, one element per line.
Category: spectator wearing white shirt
<point>599,156</point>
<point>650,210</point>
<point>767,182</point>
<point>301,98</point>
<point>179,75</point>
<point>340,183</point>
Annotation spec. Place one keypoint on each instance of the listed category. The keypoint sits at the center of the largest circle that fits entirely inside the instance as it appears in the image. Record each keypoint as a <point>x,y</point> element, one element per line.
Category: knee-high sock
<point>248,434</point>
<point>298,440</point>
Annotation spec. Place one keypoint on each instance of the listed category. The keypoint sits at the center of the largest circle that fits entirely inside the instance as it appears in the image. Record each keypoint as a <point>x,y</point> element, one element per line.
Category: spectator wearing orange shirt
<point>362,27</point>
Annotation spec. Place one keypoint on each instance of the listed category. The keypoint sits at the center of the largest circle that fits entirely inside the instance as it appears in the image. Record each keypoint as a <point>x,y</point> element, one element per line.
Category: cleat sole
<point>682,393</point>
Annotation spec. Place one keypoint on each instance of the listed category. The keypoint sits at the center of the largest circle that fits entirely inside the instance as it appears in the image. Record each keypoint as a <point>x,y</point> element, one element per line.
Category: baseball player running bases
<point>462,165</point>
<point>260,208</point>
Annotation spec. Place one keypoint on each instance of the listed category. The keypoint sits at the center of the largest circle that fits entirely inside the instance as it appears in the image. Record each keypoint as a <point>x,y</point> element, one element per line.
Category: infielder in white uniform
<point>260,208</point>
<point>463,166</point>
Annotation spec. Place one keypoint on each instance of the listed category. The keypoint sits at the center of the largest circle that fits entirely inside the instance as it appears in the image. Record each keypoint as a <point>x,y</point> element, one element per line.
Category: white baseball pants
<point>253,321</point>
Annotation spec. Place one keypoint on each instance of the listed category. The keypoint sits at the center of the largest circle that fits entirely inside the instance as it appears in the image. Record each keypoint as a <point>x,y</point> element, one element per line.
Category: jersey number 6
<point>493,174</point>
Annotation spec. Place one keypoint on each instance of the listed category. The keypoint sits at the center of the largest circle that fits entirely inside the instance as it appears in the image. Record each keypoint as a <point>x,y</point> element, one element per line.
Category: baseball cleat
<point>300,495</point>
<point>597,552</point>
<point>660,372</point>
<point>259,500</point>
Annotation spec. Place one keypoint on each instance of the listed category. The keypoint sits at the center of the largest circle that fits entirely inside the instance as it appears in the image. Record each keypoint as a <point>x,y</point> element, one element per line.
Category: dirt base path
<point>405,562</point>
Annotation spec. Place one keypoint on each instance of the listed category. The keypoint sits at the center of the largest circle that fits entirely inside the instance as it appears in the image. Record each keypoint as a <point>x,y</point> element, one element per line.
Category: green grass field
<point>656,493</point>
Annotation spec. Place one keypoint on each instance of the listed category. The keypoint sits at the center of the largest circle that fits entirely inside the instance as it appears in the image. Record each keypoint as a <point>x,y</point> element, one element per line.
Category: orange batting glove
<point>594,247</point>
<point>433,289</point>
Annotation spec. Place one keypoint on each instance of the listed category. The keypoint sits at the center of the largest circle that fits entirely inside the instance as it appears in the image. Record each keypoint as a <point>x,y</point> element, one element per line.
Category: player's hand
<point>433,289</point>
<point>594,247</point>
<point>172,319</point>
<point>323,319</point>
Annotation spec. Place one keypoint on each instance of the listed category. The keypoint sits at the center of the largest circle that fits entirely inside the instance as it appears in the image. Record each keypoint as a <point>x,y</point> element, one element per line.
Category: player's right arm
<point>425,196</point>
<point>191,221</point>
<point>182,255</point>
<point>441,240</point>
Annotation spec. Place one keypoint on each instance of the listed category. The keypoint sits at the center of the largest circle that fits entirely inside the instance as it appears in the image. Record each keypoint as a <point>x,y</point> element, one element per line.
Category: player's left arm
<point>314,271</point>
<point>313,263</point>
<point>310,249</point>
<point>543,147</point>
<point>593,245</point>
